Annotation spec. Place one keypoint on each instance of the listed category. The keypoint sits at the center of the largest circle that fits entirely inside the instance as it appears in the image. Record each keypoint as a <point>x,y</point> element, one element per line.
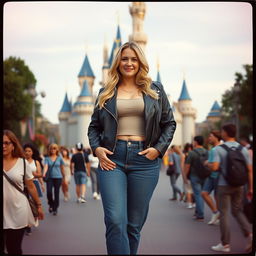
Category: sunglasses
<point>7,143</point>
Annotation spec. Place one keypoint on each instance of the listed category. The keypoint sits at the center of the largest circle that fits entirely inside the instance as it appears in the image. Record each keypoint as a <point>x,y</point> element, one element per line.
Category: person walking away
<point>191,170</point>
<point>17,214</point>
<point>54,172</point>
<point>186,181</point>
<point>228,194</point>
<point>175,159</point>
<point>33,157</point>
<point>210,184</point>
<point>94,162</point>
<point>131,128</point>
<point>67,169</point>
<point>80,166</point>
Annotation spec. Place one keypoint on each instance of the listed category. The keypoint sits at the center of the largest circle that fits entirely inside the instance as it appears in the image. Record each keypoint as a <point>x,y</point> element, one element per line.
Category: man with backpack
<point>195,170</point>
<point>235,167</point>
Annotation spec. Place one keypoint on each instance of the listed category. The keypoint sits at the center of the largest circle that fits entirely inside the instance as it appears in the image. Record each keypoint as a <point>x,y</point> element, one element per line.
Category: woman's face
<point>28,153</point>
<point>129,63</point>
<point>8,146</point>
<point>53,150</point>
<point>64,152</point>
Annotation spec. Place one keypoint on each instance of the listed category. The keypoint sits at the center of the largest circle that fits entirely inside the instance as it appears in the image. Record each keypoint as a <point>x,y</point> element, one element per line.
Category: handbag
<point>170,170</point>
<point>45,179</point>
<point>31,201</point>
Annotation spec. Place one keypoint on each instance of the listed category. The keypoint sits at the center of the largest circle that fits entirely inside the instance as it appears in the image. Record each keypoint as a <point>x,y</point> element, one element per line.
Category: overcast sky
<point>206,41</point>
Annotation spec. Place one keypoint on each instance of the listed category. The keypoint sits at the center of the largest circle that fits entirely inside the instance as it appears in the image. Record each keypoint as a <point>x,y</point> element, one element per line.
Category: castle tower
<point>64,115</point>
<point>105,67</point>
<point>87,74</point>
<point>188,115</point>
<point>214,114</point>
<point>83,109</point>
<point>108,62</point>
<point>158,78</point>
<point>137,11</point>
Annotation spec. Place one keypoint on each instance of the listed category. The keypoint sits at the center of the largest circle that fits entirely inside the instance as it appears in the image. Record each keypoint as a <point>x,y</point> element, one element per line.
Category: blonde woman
<point>54,169</point>
<point>131,128</point>
<point>17,214</point>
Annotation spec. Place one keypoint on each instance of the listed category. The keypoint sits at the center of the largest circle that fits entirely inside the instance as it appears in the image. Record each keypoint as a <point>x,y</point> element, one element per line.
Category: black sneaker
<point>55,213</point>
<point>50,209</point>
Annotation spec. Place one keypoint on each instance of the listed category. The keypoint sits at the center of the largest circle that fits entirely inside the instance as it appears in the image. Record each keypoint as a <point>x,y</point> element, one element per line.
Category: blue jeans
<point>126,192</point>
<point>175,188</point>
<point>197,186</point>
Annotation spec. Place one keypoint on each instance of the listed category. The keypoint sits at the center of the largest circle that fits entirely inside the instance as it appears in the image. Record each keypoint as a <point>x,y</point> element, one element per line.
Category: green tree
<point>17,103</point>
<point>240,101</point>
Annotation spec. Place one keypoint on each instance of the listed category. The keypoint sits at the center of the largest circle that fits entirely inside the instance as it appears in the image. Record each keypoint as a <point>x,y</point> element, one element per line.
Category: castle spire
<point>184,95</point>
<point>137,11</point>
<point>158,78</point>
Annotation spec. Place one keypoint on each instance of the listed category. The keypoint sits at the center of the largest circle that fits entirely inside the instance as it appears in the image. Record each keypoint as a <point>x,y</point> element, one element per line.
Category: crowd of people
<point>212,187</point>
<point>131,128</point>
<point>42,174</point>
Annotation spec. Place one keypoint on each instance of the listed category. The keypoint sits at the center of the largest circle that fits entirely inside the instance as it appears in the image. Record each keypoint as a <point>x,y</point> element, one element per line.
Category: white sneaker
<point>82,200</point>
<point>98,197</point>
<point>217,222</point>
<point>221,248</point>
<point>95,194</point>
<point>189,206</point>
<point>65,199</point>
<point>215,217</point>
<point>78,200</point>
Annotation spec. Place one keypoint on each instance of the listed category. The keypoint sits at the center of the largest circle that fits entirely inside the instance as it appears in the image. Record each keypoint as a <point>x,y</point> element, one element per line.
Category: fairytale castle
<point>74,119</point>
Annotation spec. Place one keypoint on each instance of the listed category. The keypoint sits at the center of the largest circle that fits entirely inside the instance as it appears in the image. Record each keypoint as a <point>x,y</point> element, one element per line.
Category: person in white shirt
<point>17,214</point>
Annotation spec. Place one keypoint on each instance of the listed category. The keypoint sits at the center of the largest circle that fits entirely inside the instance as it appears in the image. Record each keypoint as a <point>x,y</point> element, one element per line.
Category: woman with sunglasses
<point>54,170</point>
<point>17,214</point>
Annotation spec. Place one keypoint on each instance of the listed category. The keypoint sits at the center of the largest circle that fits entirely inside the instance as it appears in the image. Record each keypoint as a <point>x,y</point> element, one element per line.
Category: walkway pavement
<point>79,229</point>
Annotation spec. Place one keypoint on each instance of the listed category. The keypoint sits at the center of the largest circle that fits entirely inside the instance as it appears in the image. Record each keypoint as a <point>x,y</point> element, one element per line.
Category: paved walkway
<point>79,228</point>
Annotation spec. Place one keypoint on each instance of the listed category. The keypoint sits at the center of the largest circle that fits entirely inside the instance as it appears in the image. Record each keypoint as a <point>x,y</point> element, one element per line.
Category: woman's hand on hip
<point>150,153</point>
<point>105,162</point>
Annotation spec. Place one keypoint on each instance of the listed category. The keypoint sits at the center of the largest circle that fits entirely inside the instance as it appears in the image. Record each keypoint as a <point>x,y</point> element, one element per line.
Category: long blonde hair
<point>114,77</point>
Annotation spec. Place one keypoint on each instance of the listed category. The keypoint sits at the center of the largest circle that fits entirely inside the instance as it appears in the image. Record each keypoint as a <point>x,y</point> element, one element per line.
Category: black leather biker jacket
<point>159,122</point>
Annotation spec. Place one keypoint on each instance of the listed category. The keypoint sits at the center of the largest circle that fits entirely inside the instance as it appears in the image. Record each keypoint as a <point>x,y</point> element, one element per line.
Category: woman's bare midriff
<point>131,137</point>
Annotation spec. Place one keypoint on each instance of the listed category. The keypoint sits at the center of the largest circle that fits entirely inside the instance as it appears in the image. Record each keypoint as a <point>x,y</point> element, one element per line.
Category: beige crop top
<point>130,117</point>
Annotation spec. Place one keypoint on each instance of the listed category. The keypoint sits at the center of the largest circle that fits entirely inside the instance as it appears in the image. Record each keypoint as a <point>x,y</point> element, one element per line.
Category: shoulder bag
<point>31,201</point>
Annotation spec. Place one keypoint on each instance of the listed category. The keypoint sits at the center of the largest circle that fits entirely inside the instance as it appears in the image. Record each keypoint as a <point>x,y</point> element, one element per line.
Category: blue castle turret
<point>215,110</point>
<point>184,95</point>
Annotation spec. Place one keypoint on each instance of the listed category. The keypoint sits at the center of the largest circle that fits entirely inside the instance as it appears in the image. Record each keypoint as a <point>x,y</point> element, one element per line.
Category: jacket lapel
<point>110,105</point>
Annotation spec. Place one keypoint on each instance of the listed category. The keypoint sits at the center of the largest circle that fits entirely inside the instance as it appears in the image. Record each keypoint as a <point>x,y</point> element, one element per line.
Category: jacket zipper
<point>116,126</point>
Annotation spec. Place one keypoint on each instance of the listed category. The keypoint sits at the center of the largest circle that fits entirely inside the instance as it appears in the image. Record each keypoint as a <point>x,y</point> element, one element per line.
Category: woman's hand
<point>150,153</point>
<point>40,213</point>
<point>105,162</point>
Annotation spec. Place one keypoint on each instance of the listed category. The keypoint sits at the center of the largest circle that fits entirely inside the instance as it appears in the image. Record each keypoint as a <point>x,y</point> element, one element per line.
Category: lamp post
<point>237,106</point>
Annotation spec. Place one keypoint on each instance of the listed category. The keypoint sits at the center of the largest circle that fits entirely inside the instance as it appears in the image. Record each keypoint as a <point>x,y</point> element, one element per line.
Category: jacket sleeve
<point>95,129</point>
<point>167,124</point>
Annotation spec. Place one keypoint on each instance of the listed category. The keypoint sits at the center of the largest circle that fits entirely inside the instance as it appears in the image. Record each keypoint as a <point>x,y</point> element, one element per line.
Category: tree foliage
<point>17,103</point>
<point>241,101</point>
